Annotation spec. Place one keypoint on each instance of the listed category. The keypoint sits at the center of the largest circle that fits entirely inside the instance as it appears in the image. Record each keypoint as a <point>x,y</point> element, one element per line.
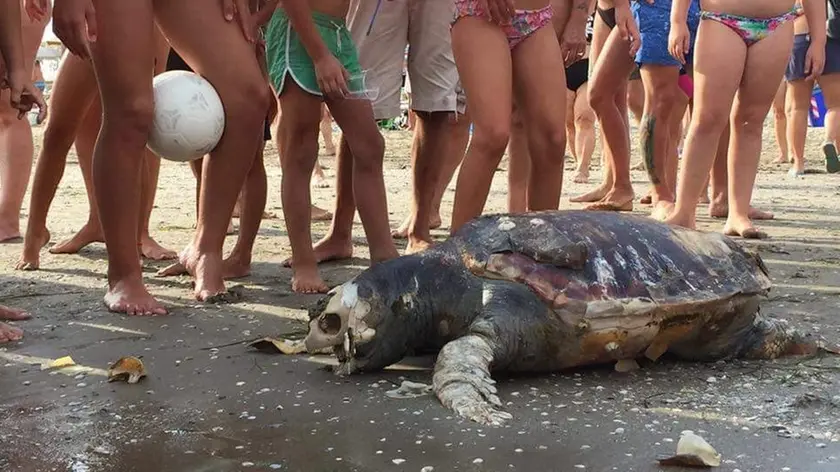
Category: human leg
<point>85,142</point>
<point>483,57</point>
<point>127,103</point>
<point>798,104</point>
<point>607,97</point>
<point>519,164</point>
<point>238,79</point>
<point>255,192</point>
<point>539,86</point>
<point>765,59</point>
<point>830,85</point>
<point>16,148</point>
<point>584,124</point>
<point>719,58</point>
<point>780,123</point>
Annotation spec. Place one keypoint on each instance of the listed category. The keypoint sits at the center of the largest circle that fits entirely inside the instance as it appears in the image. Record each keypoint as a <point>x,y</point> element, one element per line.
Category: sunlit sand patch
<point>752,422</point>
<point>825,289</point>
<point>112,328</point>
<point>800,264</point>
<point>69,370</point>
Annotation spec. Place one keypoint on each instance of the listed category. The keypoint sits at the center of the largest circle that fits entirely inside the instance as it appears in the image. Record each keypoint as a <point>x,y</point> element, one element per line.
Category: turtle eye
<point>330,324</point>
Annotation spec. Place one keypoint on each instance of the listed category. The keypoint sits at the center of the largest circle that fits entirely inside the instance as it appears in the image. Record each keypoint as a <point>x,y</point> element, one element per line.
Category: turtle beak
<point>330,328</point>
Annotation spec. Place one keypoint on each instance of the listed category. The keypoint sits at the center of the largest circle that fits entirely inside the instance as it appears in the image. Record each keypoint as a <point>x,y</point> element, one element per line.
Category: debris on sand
<point>626,365</point>
<point>59,363</point>
<point>128,368</point>
<point>290,347</point>
<point>693,451</point>
<point>409,389</point>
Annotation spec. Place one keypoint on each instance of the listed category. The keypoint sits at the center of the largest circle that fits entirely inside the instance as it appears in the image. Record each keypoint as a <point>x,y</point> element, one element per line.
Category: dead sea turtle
<point>548,291</point>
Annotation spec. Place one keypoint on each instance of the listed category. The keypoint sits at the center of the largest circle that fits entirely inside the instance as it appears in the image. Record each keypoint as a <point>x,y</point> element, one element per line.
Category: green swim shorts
<point>286,55</point>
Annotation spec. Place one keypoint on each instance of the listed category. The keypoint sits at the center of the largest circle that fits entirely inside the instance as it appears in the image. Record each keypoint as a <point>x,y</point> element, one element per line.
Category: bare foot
<point>782,159</point>
<point>613,201</point>
<point>13,314</point>
<point>230,228</point>
<point>30,259</point>
<point>308,281</point>
<point>9,333</point>
<point>269,215</point>
<point>172,270</point>
<point>704,199</point>
<point>329,249</point>
<point>319,181</point>
<point>639,166</point>
<point>743,228</point>
<point>662,210</point>
<point>319,214</point>
<point>236,267</point>
<point>685,223</point>
<point>130,296</point>
<point>87,235</point>
<point>208,270</point>
<point>593,195</point>
<point>416,245</point>
<point>581,177</point>
<point>402,231</point>
<point>9,233</point>
<point>721,210</point>
<point>150,249</point>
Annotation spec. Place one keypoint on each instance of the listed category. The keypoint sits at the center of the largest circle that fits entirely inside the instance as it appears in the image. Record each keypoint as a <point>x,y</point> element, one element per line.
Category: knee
<point>663,102</point>
<point>368,154</point>
<point>555,142</point>
<point>584,121</point>
<point>710,121</point>
<point>130,119</point>
<point>491,139</point>
<point>249,105</point>
<point>598,99</point>
<point>749,120</point>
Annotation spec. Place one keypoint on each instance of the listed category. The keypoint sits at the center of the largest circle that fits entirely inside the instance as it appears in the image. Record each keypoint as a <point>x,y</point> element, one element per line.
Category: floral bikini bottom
<point>523,24</point>
<point>752,30</point>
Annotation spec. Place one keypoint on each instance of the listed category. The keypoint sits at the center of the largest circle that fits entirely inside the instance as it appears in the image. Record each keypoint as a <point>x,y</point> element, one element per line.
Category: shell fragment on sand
<point>693,451</point>
<point>59,363</point>
<point>409,389</point>
<point>290,347</point>
<point>129,369</point>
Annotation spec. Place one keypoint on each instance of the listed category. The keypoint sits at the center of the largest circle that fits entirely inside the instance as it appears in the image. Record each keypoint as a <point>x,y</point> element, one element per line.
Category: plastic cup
<point>359,90</point>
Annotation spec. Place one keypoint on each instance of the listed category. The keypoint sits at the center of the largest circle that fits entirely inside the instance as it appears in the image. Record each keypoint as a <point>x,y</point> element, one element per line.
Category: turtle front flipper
<point>772,338</point>
<point>462,380</point>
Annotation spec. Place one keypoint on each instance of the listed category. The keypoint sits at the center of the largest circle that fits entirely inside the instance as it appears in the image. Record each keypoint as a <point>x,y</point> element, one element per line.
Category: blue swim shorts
<point>654,23</point>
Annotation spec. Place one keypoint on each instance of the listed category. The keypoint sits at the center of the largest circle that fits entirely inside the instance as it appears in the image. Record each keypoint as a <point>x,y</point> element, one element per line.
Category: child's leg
<point>780,123</point>
<point>16,147</point>
<point>483,58</point>
<point>608,99</point>
<point>719,57</point>
<point>91,232</point>
<point>297,140</point>
<point>798,104</point>
<point>73,91</point>
<point>673,156</point>
<point>229,62</point>
<point>636,100</point>
<point>368,147</point>
<point>765,59</point>
<point>584,142</point>
<point>539,78</point>
<point>519,164</point>
<point>149,248</point>
<point>255,190</point>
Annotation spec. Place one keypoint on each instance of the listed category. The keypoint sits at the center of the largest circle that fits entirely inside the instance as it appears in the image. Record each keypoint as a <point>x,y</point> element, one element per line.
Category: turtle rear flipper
<point>462,380</point>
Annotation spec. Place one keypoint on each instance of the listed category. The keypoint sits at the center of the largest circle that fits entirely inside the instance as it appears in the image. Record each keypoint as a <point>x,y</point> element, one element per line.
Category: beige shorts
<point>423,25</point>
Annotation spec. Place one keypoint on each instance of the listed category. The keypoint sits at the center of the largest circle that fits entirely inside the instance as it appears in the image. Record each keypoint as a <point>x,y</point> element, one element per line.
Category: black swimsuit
<point>577,74</point>
<point>607,16</point>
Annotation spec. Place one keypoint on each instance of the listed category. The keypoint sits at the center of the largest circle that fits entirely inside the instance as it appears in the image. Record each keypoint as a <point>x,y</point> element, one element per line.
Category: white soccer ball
<point>189,116</point>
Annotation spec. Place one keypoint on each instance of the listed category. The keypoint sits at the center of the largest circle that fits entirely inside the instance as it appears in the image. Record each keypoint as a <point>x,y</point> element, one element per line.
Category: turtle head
<point>347,321</point>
